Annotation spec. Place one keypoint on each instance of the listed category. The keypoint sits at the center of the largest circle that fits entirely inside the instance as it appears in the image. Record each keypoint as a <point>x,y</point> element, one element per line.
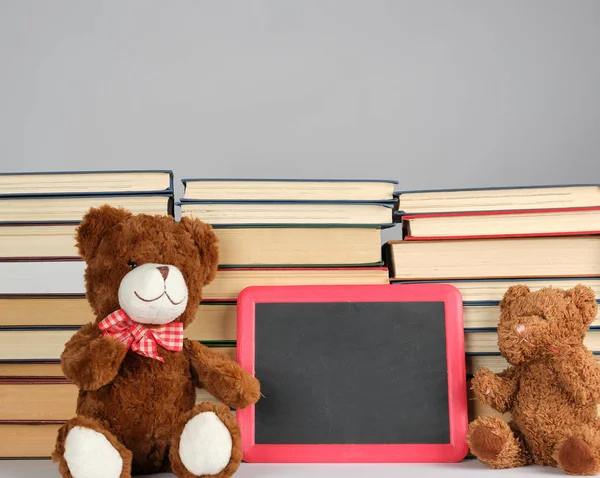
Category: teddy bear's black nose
<point>164,271</point>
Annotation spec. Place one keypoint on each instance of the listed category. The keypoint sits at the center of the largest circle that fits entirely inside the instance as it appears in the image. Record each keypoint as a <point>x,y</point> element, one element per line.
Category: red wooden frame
<point>454,451</point>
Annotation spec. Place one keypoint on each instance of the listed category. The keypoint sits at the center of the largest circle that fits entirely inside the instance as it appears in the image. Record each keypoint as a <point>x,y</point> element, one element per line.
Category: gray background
<point>435,94</point>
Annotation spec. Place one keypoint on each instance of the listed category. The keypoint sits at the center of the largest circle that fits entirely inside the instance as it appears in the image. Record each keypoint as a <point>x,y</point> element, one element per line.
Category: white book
<point>42,277</point>
<point>67,277</point>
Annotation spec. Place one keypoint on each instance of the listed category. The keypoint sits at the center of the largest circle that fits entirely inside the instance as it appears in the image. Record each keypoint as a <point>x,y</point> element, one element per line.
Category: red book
<point>501,224</point>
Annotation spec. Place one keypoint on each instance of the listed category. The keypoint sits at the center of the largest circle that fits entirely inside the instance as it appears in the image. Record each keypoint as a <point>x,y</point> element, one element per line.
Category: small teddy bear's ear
<point>584,299</point>
<point>514,292</point>
<point>206,241</point>
<point>95,223</point>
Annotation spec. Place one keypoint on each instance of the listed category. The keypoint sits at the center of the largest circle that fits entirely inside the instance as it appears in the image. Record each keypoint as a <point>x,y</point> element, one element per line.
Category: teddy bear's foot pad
<point>207,443</point>
<point>85,449</point>
<point>486,444</point>
<point>494,442</point>
<point>577,457</point>
<point>90,455</point>
<point>205,447</point>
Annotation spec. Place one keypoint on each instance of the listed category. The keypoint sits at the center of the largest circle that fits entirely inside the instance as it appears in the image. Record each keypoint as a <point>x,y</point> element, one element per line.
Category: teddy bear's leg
<point>579,451</point>
<point>497,443</point>
<point>85,449</point>
<point>206,443</point>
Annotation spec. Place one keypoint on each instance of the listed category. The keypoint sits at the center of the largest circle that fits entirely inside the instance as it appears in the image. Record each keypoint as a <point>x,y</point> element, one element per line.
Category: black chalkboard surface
<point>354,373</point>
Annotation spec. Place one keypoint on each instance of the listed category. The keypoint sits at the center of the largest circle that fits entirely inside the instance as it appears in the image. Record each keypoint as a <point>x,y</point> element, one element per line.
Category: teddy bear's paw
<point>576,456</point>
<point>208,443</point>
<point>493,442</point>
<point>89,454</point>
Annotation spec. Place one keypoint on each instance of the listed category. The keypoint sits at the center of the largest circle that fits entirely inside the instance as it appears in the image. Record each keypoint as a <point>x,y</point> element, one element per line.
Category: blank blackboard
<point>359,373</point>
<point>355,369</point>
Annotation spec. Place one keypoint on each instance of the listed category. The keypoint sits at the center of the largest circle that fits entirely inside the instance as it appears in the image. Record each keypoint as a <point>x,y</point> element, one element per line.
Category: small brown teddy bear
<point>551,387</point>
<point>136,411</point>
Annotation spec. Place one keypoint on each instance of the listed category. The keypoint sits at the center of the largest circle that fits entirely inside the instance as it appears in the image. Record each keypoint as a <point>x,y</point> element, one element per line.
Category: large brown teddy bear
<point>551,387</point>
<point>136,409</point>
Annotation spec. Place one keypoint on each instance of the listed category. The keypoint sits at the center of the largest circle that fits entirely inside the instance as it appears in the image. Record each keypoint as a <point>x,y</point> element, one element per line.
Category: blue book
<point>485,342</point>
<point>287,213</point>
<point>71,208</point>
<point>489,292</point>
<point>259,189</point>
<point>86,183</point>
<point>485,317</point>
<point>498,198</point>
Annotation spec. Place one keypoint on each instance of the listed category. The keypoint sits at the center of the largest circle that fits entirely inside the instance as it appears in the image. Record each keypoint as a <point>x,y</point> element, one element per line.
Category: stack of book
<point>42,290</point>
<point>278,233</point>
<point>287,232</point>
<point>482,241</point>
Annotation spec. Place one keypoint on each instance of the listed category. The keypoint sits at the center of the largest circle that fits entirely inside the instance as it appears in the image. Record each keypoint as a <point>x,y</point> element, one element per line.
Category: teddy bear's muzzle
<point>153,293</point>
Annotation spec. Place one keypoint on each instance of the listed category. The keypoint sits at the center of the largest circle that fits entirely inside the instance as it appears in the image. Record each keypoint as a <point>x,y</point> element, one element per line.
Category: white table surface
<point>467,468</point>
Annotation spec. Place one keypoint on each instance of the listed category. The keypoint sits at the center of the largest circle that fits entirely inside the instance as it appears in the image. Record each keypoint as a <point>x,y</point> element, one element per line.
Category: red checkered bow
<point>140,338</point>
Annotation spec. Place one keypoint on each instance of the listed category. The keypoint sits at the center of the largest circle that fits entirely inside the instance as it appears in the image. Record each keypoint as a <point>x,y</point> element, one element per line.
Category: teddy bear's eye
<point>132,264</point>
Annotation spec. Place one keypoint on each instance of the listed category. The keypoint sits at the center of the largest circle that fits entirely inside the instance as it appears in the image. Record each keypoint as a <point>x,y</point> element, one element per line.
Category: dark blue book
<point>71,208</point>
<point>489,292</point>
<point>259,189</point>
<point>287,213</point>
<point>86,183</point>
<point>509,198</point>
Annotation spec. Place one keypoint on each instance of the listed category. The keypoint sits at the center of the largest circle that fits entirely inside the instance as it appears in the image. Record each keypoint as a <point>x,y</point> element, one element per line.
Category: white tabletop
<point>468,468</point>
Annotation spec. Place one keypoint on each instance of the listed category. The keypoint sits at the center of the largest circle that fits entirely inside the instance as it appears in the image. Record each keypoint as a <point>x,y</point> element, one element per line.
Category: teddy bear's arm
<point>579,374</point>
<point>496,390</point>
<point>221,376</point>
<point>90,360</point>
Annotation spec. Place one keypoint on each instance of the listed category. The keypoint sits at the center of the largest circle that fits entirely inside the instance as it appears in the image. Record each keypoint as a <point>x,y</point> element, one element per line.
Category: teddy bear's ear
<point>584,299</point>
<point>514,292</point>
<point>94,225</point>
<point>206,241</point>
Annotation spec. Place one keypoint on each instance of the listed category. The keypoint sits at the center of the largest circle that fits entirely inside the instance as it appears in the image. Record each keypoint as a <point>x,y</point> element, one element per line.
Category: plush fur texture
<point>551,387</point>
<point>139,404</point>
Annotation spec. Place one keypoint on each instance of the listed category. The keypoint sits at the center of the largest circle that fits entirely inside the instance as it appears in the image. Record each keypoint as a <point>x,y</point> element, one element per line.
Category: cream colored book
<point>22,400</point>
<point>29,241</point>
<point>48,344</point>
<point>299,246</point>
<point>492,291</point>
<point>486,317</point>
<point>487,342</point>
<point>40,311</point>
<point>28,440</point>
<point>40,278</point>
<point>230,282</point>
<point>213,321</point>
<point>84,182</point>
<point>506,223</point>
<point>68,208</point>
<point>571,256</point>
<point>495,363</point>
<point>30,369</point>
<point>237,246</point>
<point>288,189</point>
<point>499,199</point>
<point>248,213</point>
